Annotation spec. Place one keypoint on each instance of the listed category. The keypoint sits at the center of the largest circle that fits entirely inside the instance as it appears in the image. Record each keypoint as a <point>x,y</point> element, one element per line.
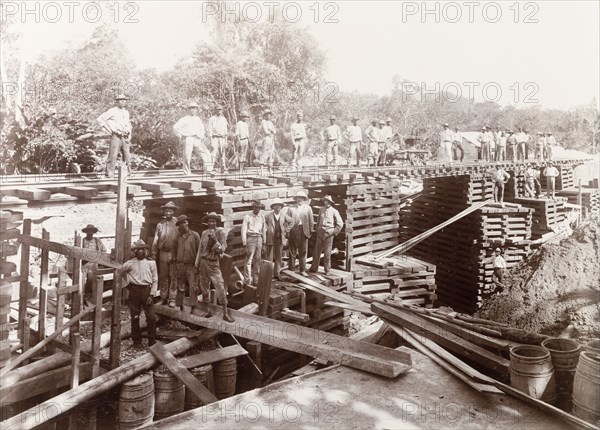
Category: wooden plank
<point>24,284</point>
<point>75,360</point>
<point>43,303</point>
<point>98,289</point>
<point>184,375</point>
<point>155,186</point>
<point>448,340</point>
<point>209,357</point>
<point>263,292</point>
<point>314,343</point>
<point>81,192</point>
<point>32,193</point>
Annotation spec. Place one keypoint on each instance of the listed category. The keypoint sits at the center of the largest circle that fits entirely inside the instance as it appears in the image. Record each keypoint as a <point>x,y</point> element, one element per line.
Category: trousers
<point>189,144</point>
<point>324,244</point>
<point>117,145</point>
<point>274,254</point>
<point>168,289</point>
<point>138,295</point>
<point>185,275</point>
<point>253,254</point>
<point>210,272</point>
<point>298,244</point>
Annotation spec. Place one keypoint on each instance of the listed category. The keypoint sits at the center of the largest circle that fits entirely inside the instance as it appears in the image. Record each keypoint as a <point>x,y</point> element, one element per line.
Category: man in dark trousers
<point>185,250</point>
<point>89,269</point>
<point>278,226</point>
<point>330,223</point>
<point>213,244</point>
<point>162,247</point>
<point>304,225</point>
<point>141,278</point>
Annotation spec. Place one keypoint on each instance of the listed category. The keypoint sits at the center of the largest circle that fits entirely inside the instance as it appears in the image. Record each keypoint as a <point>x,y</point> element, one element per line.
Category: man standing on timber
<point>550,144</point>
<point>116,122</point>
<point>266,154</point>
<point>329,224</point>
<point>551,172</point>
<point>521,145</point>
<point>332,135</point>
<point>373,137</point>
<point>89,269</point>
<point>304,225</point>
<point>213,244</point>
<point>162,247</point>
<point>185,250</point>
<point>217,131</point>
<point>278,227</point>
<point>242,135</point>
<point>190,131</point>
<point>142,282</point>
<point>353,135</point>
<point>253,237</point>
<point>500,178</point>
<point>457,145</point>
<point>446,139</point>
<point>540,146</point>
<point>501,146</point>
<point>499,265</point>
<point>529,181</point>
<point>486,138</point>
<point>511,147</point>
<point>385,141</point>
<point>298,133</point>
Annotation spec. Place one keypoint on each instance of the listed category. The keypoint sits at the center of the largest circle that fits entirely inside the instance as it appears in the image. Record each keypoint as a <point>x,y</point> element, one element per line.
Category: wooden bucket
<point>565,356</point>
<point>204,374</point>
<point>532,373</point>
<point>136,402</point>
<point>586,387</point>
<point>169,394</point>
<point>225,374</point>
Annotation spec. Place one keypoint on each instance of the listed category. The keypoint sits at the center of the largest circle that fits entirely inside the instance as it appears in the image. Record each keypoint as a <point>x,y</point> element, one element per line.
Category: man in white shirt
<point>217,132</point>
<point>190,130</point>
<point>329,224</point>
<point>551,172</point>
<point>540,146</point>
<point>353,135</point>
<point>501,146</point>
<point>116,122</point>
<point>373,136</point>
<point>550,144</point>
<point>253,238</point>
<point>242,135</point>
<point>332,135</point>
<point>500,177</point>
<point>521,145</point>
<point>498,265</point>
<point>298,133</point>
<point>278,225</point>
<point>266,154</point>
<point>446,139</point>
<point>457,145</point>
<point>386,135</point>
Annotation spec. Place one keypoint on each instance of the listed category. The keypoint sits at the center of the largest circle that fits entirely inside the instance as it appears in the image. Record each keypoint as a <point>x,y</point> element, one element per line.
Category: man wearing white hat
<point>304,225</point>
<point>278,226</point>
<point>329,224</point>
<point>332,136</point>
<point>551,173</point>
<point>242,135</point>
<point>217,131</point>
<point>373,137</point>
<point>540,145</point>
<point>266,154</point>
<point>353,135</point>
<point>550,144</point>
<point>89,269</point>
<point>116,122</point>
<point>386,135</point>
<point>142,282</point>
<point>446,139</point>
<point>498,265</point>
<point>162,247</point>
<point>253,238</point>
<point>298,133</point>
<point>190,130</point>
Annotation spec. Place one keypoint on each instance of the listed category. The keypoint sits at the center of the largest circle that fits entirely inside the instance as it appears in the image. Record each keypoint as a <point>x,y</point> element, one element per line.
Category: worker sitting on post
<point>142,282</point>
<point>500,178</point>
<point>329,224</point>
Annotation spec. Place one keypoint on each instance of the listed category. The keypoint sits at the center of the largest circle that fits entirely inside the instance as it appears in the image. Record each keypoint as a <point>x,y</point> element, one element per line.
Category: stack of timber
<point>590,200</point>
<point>547,215</point>
<point>515,187</point>
<point>565,177</point>
<point>404,277</point>
<point>370,212</point>
<point>9,229</point>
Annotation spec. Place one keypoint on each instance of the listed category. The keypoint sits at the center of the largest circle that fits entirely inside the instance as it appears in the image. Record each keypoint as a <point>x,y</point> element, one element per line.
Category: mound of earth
<point>555,287</point>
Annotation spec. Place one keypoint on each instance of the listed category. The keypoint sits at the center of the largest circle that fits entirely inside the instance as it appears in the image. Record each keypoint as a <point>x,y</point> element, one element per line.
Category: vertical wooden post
<point>76,296</point>
<point>115,344</point>
<point>263,292</point>
<point>60,298</point>
<point>255,352</point>
<point>75,360</point>
<point>580,203</point>
<point>24,285</point>
<point>96,333</point>
<point>43,289</point>
<point>26,339</point>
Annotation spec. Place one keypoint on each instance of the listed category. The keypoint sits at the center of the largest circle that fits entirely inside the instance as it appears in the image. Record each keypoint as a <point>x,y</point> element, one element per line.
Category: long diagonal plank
<point>184,375</point>
<point>422,327</point>
<point>209,357</point>
<point>303,340</point>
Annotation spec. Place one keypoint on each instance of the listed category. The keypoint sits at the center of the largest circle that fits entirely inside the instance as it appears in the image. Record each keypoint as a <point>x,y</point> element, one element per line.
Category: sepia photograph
<point>306,214</point>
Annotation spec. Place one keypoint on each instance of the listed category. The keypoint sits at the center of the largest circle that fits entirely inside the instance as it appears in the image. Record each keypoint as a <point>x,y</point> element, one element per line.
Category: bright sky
<point>549,56</point>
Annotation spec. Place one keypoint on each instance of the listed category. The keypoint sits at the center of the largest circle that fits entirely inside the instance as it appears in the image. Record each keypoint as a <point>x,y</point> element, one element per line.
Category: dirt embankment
<point>557,286</point>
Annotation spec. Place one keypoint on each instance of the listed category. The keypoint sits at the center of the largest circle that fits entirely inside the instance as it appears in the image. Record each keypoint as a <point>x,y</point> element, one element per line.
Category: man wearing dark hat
<point>266,152</point>
<point>278,226</point>
<point>499,265</point>
<point>329,224</point>
<point>162,247</point>
<point>353,135</point>
<point>185,250</point>
<point>332,136</point>
<point>298,133</point>
<point>304,225</point>
<point>116,122</point>
<point>89,268</point>
<point>242,136</point>
<point>373,137</point>
<point>551,172</point>
<point>217,131</point>
<point>190,130</point>
<point>253,238</point>
<point>142,282</point>
<point>213,244</point>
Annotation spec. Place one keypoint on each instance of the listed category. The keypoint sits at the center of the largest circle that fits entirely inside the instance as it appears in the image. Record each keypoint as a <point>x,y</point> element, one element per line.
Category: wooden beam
<point>43,303</point>
<point>76,293</point>
<point>24,284</point>
<point>209,357</point>
<point>263,292</point>
<point>314,343</point>
<point>184,375</point>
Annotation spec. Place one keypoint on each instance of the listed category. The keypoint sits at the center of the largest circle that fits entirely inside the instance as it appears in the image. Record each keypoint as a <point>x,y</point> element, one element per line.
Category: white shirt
<point>298,130</point>
<point>353,133</point>
<point>332,132</point>
<point>499,262</point>
<point>189,125</point>
<point>116,120</point>
<point>457,137</point>
<point>386,133</point>
<point>241,130</point>
<point>217,126</point>
<point>267,127</point>
<point>446,136</point>
<point>551,172</point>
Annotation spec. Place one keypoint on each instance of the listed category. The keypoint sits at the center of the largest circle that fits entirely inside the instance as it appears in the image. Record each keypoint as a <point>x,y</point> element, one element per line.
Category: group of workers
<point>499,145</point>
<point>533,187</point>
<point>212,143</point>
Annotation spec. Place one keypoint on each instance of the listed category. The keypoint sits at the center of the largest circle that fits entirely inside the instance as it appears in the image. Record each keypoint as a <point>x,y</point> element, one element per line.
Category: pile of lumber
<point>590,200</point>
<point>370,213</point>
<point>404,277</point>
<point>565,177</point>
<point>515,187</point>
<point>547,215</point>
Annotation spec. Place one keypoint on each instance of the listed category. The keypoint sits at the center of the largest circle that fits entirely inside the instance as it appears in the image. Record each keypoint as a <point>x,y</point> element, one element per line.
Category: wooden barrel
<point>225,374</point>
<point>532,373</point>
<point>204,374</point>
<point>586,387</point>
<point>593,346</point>
<point>136,402</point>
<point>565,356</point>
<point>169,394</point>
